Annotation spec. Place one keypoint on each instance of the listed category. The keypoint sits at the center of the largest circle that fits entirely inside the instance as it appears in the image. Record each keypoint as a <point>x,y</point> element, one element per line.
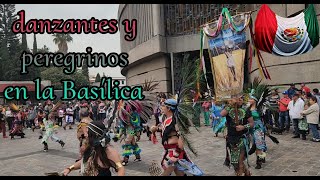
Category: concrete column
<point>172,73</point>
<point>158,19</point>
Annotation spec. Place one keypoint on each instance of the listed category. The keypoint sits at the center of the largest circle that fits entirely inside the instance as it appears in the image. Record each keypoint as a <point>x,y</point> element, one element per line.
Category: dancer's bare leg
<point>168,171</point>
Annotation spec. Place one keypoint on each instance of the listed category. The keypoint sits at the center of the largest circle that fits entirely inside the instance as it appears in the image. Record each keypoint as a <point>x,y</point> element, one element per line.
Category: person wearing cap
<point>295,107</point>
<point>99,156</point>
<point>284,120</point>
<point>292,90</point>
<point>239,123</point>
<point>304,88</point>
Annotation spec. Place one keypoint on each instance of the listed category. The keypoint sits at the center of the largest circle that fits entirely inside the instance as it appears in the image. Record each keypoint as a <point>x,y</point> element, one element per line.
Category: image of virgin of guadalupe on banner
<point>227,54</point>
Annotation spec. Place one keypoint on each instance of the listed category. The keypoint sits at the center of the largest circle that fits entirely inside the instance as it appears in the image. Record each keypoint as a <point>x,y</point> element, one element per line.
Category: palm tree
<point>62,41</point>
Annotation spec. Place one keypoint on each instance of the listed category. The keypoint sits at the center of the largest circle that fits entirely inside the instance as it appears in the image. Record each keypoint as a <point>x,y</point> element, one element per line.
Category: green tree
<point>98,78</point>
<point>55,74</point>
<point>12,69</point>
<point>35,70</point>
<point>85,69</point>
<point>24,42</point>
<point>10,47</point>
<point>62,41</point>
<point>44,49</point>
<point>35,48</point>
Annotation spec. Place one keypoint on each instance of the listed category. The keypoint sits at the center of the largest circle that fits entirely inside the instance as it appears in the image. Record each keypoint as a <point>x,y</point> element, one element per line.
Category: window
<point>122,82</point>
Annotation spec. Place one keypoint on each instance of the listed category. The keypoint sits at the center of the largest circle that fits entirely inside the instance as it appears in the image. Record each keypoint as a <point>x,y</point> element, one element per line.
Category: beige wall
<point>157,69</point>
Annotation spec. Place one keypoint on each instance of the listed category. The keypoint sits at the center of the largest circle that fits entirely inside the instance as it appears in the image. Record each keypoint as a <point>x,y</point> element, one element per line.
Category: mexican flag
<point>286,36</point>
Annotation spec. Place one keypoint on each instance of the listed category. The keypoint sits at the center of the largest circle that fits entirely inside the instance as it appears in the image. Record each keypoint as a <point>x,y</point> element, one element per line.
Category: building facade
<point>165,32</point>
<point>122,81</point>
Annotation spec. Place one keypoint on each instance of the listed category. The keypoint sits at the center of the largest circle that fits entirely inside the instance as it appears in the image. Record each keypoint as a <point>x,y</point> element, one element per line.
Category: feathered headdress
<point>13,107</point>
<point>184,110</point>
<point>259,92</point>
<point>143,107</point>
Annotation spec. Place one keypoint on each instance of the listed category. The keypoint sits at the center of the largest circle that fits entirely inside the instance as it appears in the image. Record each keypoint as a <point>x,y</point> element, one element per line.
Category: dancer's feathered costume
<point>178,125</point>
<point>218,122</point>
<point>259,92</point>
<point>17,129</point>
<point>237,142</point>
<point>50,128</point>
<point>130,114</point>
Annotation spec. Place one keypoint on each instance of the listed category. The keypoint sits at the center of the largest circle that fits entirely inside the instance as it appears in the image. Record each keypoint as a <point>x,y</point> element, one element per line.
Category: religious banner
<point>227,49</point>
<point>286,36</point>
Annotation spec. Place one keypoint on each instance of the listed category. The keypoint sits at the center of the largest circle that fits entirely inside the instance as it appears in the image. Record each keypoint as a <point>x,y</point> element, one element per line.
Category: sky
<point>105,43</point>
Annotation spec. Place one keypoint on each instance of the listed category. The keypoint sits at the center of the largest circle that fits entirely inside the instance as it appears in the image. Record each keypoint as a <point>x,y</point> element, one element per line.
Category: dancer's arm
<point>224,113</point>
<point>75,166</point>
<point>114,156</point>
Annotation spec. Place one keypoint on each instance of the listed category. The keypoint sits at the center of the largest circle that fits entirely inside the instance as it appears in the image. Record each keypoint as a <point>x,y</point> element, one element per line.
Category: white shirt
<point>61,113</point>
<point>102,108</point>
<point>295,109</point>
<point>9,114</point>
<point>69,111</point>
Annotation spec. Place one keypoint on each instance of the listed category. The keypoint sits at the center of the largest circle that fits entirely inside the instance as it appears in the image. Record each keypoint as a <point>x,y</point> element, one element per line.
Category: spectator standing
<point>304,88</point>
<point>312,114</point>
<point>296,106</point>
<point>60,116</point>
<point>273,112</point>
<point>76,114</point>
<point>30,118</point>
<point>94,108</point>
<point>9,118</point>
<point>283,112</point>
<point>102,111</point>
<point>317,95</point>
<point>2,122</point>
<point>69,117</point>
<point>292,90</point>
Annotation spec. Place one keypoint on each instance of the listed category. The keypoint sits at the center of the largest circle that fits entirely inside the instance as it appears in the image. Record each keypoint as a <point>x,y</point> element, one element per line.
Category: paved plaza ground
<point>292,157</point>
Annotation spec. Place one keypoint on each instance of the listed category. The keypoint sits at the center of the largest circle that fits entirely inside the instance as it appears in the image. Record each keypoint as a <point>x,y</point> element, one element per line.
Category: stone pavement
<point>292,157</point>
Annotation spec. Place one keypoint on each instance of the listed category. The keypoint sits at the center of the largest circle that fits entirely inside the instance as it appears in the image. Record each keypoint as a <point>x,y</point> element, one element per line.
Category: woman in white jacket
<point>312,114</point>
